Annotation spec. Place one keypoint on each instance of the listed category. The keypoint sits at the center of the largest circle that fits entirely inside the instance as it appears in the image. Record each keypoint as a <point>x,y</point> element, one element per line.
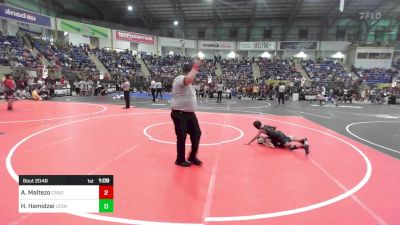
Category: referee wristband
<point>196,67</point>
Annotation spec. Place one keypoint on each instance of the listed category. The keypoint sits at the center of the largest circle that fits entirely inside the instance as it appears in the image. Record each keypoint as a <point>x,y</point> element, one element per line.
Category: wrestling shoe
<point>306,147</point>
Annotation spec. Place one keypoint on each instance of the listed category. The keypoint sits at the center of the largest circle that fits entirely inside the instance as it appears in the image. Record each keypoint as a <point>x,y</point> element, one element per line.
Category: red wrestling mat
<point>340,182</point>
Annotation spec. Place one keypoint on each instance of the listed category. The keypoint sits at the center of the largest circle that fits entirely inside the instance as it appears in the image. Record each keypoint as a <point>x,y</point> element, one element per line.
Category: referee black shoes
<point>183,163</point>
<point>195,161</point>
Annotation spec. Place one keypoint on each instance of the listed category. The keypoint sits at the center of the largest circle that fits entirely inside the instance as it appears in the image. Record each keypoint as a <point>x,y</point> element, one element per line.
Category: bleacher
<point>234,70</point>
<point>373,76</point>
<point>122,63</point>
<point>277,70</point>
<point>13,53</point>
<point>166,66</point>
<point>207,68</point>
<point>69,57</point>
<point>327,70</point>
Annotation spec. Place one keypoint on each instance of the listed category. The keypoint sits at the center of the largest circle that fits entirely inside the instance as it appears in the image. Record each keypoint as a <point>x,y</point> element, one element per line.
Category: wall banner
<point>133,37</point>
<point>24,16</point>
<point>82,28</point>
<point>298,45</point>
<point>264,45</point>
<point>217,45</point>
<point>174,42</point>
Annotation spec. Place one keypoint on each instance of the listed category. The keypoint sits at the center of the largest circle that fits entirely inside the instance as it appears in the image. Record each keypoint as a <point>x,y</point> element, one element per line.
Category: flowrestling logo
<point>24,16</point>
<point>134,37</point>
<point>216,45</point>
<point>370,15</point>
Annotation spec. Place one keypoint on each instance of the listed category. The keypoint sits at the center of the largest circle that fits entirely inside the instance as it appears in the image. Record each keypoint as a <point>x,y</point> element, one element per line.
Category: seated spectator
<point>376,75</point>
<point>35,95</point>
<point>44,92</point>
<point>326,70</point>
<point>14,54</point>
<point>121,63</point>
<point>276,69</point>
<point>22,94</point>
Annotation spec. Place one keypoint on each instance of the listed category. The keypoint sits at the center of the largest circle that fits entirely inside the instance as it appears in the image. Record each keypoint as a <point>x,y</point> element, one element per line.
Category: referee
<point>125,87</point>
<point>183,115</point>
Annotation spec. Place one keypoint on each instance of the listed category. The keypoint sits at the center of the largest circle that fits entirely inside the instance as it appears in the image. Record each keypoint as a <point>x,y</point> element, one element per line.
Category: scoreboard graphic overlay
<point>66,193</point>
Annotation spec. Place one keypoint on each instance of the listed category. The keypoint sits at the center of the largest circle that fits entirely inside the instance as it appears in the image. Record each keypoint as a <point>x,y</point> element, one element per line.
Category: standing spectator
<point>125,87</point>
<point>84,88</point>
<point>220,88</point>
<point>77,85</point>
<point>62,81</point>
<point>159,88</point>
<point>51,85</point>
<point>90,87</point>
<point>183,115</point>
<point>256,90</point>
<point>201,92</point>
<point>153,88</point>
<point>206,91</point>
<point>373,95</point>
<point>9,85</point>
<point>281,93</point>
<point>96,86</point>
<point>363,95</point>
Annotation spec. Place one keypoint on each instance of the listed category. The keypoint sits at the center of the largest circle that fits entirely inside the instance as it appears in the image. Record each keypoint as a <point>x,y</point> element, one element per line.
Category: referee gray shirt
<point>183,96</point>
<point>220,87</point>
<point>125,86</point>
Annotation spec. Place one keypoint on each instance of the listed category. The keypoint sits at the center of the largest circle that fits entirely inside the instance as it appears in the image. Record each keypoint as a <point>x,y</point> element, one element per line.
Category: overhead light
<point>130,8</point>
<point>200,55</point>
<point>341,5</point>
<point>301,55</point>
<point>176,22</point>
<point>338,55</point>
<point>232,55</point>
<point>265,55</point>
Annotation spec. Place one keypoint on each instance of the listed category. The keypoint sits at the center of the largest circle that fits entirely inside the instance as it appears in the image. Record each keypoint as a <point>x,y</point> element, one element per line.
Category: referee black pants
<point>127,99</point>
<point>186,123</point>
<point>219,99</point>
<point>153,93</point>
<point>159,92</point>
<point>281,96</point>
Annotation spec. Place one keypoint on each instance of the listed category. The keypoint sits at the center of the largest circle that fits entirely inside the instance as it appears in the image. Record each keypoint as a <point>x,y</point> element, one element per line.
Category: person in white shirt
<point>183,105</point>
<point>77,88</point>
<point>158,89</point>
<point>220,88</point>
<point>125,87</point>
<point>281,93</point>
<point>153,89</point>
<point>82,85</point>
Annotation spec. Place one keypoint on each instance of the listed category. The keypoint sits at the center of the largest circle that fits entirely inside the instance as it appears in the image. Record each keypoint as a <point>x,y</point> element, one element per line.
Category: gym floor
<point>350,176</point>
